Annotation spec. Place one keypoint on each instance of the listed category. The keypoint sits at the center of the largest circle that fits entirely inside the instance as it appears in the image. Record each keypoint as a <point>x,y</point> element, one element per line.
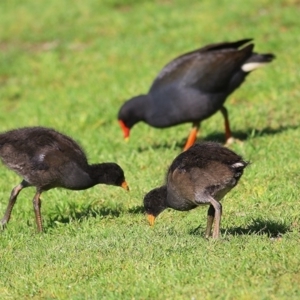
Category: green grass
<point>70,65</point>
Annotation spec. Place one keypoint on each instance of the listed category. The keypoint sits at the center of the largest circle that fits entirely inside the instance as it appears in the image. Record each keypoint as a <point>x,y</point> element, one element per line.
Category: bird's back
<point>39,154</point>
<point>208,69</point>
<point>205,169</point>
<point>195,85</point>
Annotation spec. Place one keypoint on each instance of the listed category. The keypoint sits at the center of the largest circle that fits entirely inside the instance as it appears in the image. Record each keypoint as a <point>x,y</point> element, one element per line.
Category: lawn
<point>70,65</point>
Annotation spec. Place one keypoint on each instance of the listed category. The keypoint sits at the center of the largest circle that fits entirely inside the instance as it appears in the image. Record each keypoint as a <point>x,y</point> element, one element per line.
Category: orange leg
<point>228,134</point>
<point>192,137</point>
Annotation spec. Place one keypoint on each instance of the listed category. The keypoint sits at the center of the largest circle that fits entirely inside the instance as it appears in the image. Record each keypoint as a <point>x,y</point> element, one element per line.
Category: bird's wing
<point>225,45</point>
<point>56,153</point>
<point>209,68</point>
<point>201,155</point>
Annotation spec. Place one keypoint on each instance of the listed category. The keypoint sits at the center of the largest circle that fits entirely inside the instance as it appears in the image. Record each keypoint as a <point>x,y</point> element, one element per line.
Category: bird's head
<point>109,173</point>
<point>132,112</point>
<point>155,203</point>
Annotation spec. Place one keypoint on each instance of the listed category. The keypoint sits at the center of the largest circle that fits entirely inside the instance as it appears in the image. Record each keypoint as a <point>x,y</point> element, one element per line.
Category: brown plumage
<point>47,159</point>
<point>202,175</point>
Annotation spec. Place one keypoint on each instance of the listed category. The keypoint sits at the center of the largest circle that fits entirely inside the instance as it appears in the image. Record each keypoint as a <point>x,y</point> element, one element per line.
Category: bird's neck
<point>172,198</point>
<point>176,201</point>
<point>159,200</point>
<point>98,173</point>
<point>79,179</point>
<point>137,108</point>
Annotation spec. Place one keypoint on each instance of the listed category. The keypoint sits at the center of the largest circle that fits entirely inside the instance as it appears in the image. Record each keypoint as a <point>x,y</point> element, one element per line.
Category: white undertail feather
<point>252,66</point>
<point>41,157</point>
<point>238,165</point>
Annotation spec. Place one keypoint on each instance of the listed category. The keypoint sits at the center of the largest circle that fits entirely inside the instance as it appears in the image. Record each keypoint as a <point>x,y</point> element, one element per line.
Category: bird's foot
<point>3,223</point>
<point>231,141</point>
<point>216,236</point>
<point>213,237</point>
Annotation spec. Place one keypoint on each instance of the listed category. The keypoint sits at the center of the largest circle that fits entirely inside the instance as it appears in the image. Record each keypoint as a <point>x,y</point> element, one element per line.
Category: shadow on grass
<point>75,213</point>
<point>220,137</point>
<point>155,146</point>
<point>136,210</point>
<point>253,133</point>
<point>258,227</point>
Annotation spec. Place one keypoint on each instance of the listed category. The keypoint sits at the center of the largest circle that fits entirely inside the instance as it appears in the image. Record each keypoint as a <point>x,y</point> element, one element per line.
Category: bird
<point>193,87</point>
<point>46,159</point>
<point>201,175</point>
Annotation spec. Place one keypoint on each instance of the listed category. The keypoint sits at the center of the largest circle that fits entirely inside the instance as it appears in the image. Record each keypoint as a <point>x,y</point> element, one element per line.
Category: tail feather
<point>256,57</point>
<point>257,60</point>
<point>225,45</point>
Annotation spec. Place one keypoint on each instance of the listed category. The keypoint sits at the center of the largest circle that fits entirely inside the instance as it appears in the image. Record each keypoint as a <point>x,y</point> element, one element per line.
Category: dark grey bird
<point>47,159</point>
<point>202,175</point>
<point>193,87</point>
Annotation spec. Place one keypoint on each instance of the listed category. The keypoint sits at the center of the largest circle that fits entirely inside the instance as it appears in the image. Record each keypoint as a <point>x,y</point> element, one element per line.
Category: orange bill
<point>125,186</point>
<point>151,219</point>
<point>125,129</point>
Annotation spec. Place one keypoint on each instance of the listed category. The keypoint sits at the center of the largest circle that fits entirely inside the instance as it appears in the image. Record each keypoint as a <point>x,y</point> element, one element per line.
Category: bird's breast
<point>184,105</point>
<point>178,200</point>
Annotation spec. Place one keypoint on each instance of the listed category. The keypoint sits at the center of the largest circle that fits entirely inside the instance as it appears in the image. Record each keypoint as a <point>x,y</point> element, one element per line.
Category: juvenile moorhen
<point>193,87</point>
<point>47,159</point>
<point>203,174</point>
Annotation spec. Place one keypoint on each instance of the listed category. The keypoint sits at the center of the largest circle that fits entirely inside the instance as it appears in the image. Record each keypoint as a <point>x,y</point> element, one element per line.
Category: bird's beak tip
<point>125,186</point>
<point>151,219</point>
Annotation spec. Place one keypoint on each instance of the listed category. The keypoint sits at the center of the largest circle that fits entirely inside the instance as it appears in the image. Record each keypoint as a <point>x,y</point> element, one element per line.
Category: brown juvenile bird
<point>203,174</point>
<point>47,159</point>
<point>193,87</point>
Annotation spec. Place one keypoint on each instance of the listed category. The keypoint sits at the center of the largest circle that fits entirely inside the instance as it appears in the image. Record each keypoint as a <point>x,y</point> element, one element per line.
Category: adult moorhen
<point>47,159</point>
<point>193,87</point>
<point>203,174</point>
